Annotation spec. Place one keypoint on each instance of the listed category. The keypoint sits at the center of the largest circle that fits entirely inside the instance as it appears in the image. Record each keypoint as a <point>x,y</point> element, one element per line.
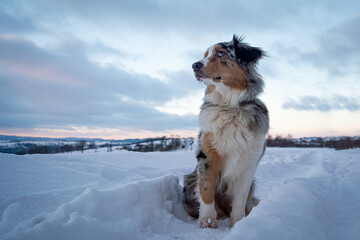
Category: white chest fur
<point>232,138</point>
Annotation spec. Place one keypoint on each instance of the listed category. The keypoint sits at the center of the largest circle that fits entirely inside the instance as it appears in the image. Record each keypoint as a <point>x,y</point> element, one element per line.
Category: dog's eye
<point>220,53</point>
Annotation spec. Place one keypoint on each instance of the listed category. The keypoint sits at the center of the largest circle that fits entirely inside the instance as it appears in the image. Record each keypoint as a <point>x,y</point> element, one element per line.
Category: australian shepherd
<point>233,123</point>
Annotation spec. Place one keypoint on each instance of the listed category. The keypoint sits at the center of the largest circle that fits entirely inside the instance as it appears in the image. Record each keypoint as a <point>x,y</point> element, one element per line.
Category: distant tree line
<point>32,148</point>
<point>318,142</point>
<point>161,144</point>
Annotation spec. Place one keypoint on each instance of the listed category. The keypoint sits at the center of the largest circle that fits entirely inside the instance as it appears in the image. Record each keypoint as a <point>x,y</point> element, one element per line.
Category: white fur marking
<point>224,95</point>
<point>205,60</point>
<point>208,81</point>
<point>207,215</point>
<point>207,210</point>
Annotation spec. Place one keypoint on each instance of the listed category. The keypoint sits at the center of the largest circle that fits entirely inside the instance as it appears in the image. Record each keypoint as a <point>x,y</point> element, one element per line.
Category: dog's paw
<point>208,222</point>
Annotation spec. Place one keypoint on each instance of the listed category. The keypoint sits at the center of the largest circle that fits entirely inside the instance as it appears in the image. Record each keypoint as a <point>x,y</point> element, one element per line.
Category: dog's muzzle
<point>197,70</point>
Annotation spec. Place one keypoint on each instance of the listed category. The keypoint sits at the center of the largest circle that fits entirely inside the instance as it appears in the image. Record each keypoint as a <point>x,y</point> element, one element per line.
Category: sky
<point>122,69</point>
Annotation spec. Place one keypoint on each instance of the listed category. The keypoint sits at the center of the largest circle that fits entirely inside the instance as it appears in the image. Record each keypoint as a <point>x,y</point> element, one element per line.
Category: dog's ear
<point>245,53</point>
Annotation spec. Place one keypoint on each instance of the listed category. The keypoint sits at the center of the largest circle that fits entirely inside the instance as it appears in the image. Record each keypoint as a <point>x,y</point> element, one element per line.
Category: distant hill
<point>38,145</point>
<point>67,139</point>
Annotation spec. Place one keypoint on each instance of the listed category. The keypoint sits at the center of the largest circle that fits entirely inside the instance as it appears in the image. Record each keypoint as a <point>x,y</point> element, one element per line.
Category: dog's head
<point>230,64</point>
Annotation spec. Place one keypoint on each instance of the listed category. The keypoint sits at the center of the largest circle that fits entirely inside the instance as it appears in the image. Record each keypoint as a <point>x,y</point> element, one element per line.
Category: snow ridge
<point>116,213</point>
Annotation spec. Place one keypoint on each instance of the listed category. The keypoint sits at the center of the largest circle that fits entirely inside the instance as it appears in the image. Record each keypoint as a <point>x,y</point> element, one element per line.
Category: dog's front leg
<point>208,172</point>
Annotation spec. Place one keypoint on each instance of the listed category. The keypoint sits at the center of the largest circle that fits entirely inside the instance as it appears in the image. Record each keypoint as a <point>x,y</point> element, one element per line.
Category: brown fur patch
<point>206,53</point>
<point>210,89</point>
<point>232,75</point>
<point>208,175</point>
<point>210,151</point>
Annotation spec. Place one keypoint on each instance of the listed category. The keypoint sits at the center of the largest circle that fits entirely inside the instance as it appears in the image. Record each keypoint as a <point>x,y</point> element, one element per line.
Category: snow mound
<point>12,215</point>
<point>126,212</point>
<point>323,204</point>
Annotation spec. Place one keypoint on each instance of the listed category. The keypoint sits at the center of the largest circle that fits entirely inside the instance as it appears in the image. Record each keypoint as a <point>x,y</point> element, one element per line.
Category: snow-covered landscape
<point>305,194</point>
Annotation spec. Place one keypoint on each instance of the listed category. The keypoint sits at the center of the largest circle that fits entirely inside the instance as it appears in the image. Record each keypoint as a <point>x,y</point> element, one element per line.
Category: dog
<point>234,123</point>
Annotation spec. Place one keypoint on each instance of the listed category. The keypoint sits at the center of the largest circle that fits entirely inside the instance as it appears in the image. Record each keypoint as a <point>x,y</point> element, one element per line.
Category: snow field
<point>305,194</point>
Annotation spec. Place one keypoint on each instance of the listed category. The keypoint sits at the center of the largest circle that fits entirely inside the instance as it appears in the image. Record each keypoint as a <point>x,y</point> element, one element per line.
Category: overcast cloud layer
<point>322,104</point>
<point>116,64</point>
<point>66,88</point>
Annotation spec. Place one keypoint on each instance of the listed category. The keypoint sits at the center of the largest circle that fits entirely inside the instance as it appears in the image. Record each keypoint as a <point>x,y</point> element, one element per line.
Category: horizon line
<point>170,136</point>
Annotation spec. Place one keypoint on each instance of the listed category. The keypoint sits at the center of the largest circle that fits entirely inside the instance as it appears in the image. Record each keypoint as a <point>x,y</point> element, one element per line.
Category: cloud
<point>338,48</point>
<point>311,103</point>
<point>153,15</point>
<point>14,23</point>
<point>61,88</point>
<point>190,18</point>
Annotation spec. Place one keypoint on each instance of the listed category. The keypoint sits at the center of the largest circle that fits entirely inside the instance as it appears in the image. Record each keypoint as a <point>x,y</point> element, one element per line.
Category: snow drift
<point>117,213</point>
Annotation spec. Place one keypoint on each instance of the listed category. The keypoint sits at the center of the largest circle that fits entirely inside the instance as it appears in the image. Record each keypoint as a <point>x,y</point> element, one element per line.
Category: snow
<point>305,194</point>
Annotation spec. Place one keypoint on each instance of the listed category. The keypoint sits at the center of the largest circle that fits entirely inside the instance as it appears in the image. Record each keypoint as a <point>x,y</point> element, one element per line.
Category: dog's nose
<point>196,66</point>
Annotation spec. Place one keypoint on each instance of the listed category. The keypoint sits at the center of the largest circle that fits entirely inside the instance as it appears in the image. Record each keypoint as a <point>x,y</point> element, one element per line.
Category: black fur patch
<point>201,154</point>
<point>258,112</point>
<point>261,108</point>
<point>206,165</point>
<point>245,53</point>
